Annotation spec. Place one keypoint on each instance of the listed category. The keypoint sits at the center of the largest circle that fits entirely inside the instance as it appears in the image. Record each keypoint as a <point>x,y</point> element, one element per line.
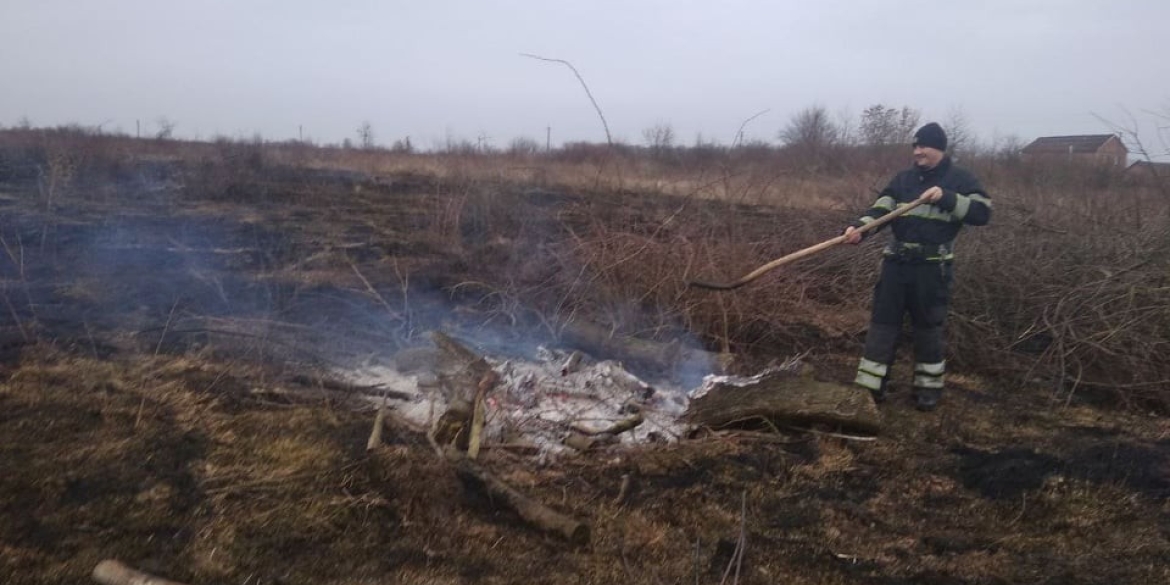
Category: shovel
<point>809,251</point>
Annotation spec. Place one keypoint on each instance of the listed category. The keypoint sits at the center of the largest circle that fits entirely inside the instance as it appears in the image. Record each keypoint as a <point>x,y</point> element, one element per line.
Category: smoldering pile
<point>561,398</point>
<point>553,400</point>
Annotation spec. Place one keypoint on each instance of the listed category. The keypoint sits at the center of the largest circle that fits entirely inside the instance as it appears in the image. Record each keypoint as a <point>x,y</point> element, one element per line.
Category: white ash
<point>535,403</point>
<point>712,381</point>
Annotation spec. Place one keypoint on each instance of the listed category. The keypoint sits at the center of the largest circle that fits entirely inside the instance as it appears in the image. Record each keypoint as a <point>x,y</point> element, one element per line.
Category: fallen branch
<point>373,292</point>
<point>111,572</point>
<point>572,363</point>
<point>460,369</point>
<point>616,428</point>
<point>452,426</point>
<point>583,442</point>
<point>844,436</point>
<point>524,448</point>
<point>347,388</point>
<point>529,509</point>
<point>454,348</point>
<point>486,383</point>
<point>623,491</point>
<point>375,439</point>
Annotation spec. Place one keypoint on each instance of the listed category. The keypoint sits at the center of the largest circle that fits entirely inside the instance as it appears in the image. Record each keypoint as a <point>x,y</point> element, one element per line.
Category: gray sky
<point>434,69</point>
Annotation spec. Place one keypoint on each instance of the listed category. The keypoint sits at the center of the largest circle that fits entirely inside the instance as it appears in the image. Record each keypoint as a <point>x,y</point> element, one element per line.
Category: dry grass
<point>1066,286</point>
<point>122,454</point>
<point>197,464</point>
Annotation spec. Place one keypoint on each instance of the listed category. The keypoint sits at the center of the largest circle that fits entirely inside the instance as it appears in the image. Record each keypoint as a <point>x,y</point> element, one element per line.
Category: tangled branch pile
<point>1069,286</point>
<point>1072,286</point>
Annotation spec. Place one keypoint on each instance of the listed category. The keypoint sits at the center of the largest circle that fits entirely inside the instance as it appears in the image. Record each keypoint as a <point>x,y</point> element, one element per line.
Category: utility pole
<point>300,133</point>
<point>137,129</point>
<point>548,139</point>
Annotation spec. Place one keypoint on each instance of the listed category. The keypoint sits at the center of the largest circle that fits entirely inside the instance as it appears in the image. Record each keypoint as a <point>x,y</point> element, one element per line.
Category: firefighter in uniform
<point>916,272</point>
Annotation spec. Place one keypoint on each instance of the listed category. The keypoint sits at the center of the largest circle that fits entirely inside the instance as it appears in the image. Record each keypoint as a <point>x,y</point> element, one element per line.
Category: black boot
<point>926,399</point>
<point>881,394</point>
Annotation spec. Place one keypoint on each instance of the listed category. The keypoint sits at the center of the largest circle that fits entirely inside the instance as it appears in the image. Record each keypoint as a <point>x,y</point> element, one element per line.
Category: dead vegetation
<point>170,313</point>
<point>180,468</point>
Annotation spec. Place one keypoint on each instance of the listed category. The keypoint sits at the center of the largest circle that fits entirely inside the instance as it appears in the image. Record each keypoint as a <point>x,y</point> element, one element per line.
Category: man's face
<point>926,157</point>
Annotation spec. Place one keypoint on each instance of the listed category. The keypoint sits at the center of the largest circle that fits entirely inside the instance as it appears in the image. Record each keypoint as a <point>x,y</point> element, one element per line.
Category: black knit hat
<point>931,135</point>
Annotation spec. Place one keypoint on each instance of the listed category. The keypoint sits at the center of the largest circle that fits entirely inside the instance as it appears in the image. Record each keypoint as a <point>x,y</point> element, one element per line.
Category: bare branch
<point>604,124</point>
<point>739,133</point>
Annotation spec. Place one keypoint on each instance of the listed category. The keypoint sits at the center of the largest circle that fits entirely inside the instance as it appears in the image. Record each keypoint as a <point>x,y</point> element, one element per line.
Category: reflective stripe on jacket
<point>964,201</point>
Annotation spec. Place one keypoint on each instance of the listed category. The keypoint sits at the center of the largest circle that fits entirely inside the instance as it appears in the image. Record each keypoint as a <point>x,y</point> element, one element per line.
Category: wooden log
<point>375,439</point>
<point>467,378</point>
<point>623,491</point>
<point>453,348</point>
<point>616,428</point>
<point>112,572</point>
<point>451,428</point>
<point>587,442</point>
<point>583,442</point>
<point>602,342</point>
<point>628,424</point>
<point>530,510</point>
<point>572,364</point>
<point>460,369</point>
<point>479,412</point>
<point>347,388</point>
<point>785,399</point>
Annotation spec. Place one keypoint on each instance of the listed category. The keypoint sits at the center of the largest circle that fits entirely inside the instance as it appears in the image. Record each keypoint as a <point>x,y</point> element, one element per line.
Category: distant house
<point>1098,149</point>
<point>1144,169</point>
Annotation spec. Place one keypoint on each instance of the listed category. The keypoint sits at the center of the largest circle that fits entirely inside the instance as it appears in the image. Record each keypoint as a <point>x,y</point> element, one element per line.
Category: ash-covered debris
<point>792,365</point>
<point>540,402</point>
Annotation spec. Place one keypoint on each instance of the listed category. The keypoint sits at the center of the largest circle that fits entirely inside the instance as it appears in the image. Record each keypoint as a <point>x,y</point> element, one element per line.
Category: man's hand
<point>852,236</point>
<point>933,194</point>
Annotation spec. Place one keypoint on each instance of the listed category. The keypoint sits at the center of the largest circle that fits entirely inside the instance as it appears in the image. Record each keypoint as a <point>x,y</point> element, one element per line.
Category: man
<point>916,273</point>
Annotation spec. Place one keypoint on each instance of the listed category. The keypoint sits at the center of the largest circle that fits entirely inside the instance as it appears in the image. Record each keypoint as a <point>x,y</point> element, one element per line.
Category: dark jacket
<point>963,202</point>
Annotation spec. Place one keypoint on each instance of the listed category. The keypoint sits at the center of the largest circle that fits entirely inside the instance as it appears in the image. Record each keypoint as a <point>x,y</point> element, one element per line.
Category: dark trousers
<point>922,289</point>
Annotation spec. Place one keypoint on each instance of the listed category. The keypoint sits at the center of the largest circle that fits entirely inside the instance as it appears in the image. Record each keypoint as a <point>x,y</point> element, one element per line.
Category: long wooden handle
<point>809,251</point>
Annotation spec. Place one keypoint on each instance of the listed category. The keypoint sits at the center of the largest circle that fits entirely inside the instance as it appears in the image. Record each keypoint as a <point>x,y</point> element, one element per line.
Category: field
<point>178,318</point>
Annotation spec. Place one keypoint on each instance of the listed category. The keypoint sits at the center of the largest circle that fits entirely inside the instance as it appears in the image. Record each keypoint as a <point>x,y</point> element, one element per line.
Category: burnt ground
<point>162,401</point>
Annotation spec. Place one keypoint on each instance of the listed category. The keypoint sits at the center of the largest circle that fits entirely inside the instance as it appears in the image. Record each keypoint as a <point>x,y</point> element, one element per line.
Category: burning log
<point>111,572</point>
<point>602,342</point>
<point>787,400</point>
<point>530,510</point>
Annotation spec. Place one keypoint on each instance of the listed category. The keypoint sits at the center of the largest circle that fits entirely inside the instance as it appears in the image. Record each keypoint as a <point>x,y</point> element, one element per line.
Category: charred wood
<point>532,511</point>
<point>786,400</point>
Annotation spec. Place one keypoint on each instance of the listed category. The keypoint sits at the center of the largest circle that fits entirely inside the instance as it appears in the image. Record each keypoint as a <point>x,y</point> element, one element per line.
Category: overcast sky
<point>433,69</point>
